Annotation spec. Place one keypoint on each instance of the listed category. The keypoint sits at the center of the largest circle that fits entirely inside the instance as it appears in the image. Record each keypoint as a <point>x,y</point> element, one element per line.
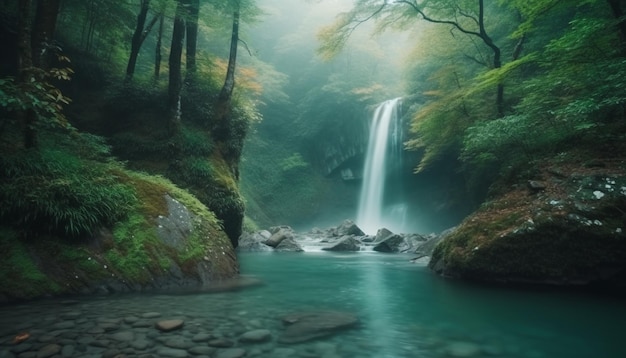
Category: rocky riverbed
<point>97,329</point>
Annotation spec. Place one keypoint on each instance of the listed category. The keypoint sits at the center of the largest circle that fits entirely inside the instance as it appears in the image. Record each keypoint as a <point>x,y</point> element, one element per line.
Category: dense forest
<point>113,113</point>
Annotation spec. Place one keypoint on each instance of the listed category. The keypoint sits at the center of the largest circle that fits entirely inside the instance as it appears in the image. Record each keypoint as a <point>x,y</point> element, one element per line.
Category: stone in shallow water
<point>48,350</point>
<point>171,352</point>
<point>231,353</point>
<point>140,344</point>
<point>256,336</point>
<point>201,350</point>
<point>305,326</point>
<point>151,315</point>
<point>169,325</point>
<point>201,337</point>
<point>126,336</point>
<point>178,342</point>
<point>221,343</point>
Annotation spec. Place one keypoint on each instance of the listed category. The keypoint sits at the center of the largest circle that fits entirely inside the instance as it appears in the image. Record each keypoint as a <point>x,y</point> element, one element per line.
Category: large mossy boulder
<point>568,230</point>
<point>169,240</point>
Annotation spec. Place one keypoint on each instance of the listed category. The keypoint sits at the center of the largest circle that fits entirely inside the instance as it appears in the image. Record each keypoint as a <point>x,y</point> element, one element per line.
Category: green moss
<point>135,238</point>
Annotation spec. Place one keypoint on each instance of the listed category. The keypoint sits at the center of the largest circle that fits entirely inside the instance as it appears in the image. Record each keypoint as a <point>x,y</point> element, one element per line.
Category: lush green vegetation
<point>499,84</point>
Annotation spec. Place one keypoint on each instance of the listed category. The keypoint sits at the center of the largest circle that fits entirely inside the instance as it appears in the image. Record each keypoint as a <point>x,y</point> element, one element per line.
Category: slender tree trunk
<point>497,56</point>
<point>192,37</point>
<point>229,83</point>
<point>44,27</point>
<point>157,51</point>
<point>25,68</point>
<point>175,80</point>
<point>135,44</point>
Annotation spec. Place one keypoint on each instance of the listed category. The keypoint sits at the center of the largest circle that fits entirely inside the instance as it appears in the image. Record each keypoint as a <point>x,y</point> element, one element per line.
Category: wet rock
<point>399,243</point>
<point>112,353</point>
<point>151,315</point>
<point>305,326</point>
<point>382,234</point>
<point>221,343</point>
<point>231,353</point>
<point>201,337</point>
<point>126,336</point>
<point>201,350</point>
<point>256,336</point>
<point>346,243</point>
<point>279,236</point>
<point>289,245</point>
<point>172,352</point>
<point>348,227</point>
<point>140,344</point>
<point>178,342</point>
<point>48,350</point>
<point>169,325</point>
<point>253,242</point>
<point>22,347</point>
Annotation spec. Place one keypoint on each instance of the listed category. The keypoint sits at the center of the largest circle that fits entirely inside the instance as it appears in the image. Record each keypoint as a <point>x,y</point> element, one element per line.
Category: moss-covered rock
<point>168,240</point>
<point>565,227</point>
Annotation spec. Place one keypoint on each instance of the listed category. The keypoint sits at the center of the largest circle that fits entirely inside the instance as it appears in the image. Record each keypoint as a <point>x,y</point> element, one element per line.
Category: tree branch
<point>436,21</point>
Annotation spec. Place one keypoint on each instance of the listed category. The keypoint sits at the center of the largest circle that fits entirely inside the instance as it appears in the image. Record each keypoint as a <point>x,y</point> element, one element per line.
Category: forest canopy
<point>500,83</point>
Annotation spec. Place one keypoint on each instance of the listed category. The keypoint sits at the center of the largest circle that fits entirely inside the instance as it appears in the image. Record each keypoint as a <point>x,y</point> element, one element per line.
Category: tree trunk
<point>135,44</point>
<point>157,51</point>
<point>192,36</point>
<point>497,60</point>
<point>229,83</point>
<point>25,68</point>
<point>175,80</point>
<point>44,27</point>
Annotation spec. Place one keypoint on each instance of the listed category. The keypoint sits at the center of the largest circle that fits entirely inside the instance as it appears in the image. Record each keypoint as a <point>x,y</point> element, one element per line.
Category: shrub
<point>55,191</point>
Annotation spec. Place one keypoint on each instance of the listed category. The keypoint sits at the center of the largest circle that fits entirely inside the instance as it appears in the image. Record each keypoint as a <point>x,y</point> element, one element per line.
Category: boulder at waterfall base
<point>569,232</point>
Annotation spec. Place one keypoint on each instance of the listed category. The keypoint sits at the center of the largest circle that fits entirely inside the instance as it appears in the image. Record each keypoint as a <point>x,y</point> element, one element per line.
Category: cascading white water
<point>385,126</point>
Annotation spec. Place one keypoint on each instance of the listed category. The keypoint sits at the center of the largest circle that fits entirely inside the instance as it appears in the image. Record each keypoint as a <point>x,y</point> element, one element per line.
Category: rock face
<point>571,232</point>
<point>305,326</point>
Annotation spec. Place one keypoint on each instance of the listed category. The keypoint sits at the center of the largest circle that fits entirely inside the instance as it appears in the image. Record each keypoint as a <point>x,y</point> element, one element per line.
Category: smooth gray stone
<point>201,350</point>
<point>256,336</point>
<point>231,353</point>
<point>171,352</point>
<point>48,350</point>
<point>125,336</point>
<point>169,325</point>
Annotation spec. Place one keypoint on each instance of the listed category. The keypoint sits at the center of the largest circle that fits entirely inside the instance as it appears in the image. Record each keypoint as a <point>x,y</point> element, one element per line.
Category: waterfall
<point>384,151</point>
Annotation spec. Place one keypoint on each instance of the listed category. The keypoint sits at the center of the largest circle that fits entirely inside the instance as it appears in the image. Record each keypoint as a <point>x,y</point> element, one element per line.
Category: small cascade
<point>384,153</point>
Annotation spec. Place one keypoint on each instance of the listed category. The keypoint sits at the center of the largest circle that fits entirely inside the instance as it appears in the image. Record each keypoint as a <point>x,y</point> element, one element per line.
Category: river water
<point>404,311</point>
